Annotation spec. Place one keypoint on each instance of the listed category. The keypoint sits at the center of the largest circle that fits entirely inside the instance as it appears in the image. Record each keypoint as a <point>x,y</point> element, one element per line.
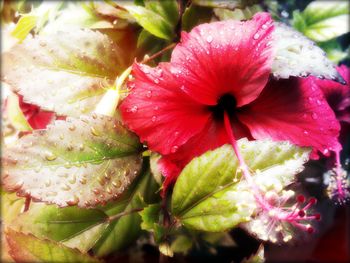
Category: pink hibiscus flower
<point>178,108</point>
<point>216,89</point>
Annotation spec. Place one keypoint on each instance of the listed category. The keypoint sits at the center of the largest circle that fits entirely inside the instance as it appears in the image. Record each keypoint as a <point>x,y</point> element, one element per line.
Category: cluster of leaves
<point>96,190</point>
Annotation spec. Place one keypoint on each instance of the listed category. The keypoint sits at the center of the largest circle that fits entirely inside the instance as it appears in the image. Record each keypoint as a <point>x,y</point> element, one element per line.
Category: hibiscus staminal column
<point>275,216</point>
<point>339,182</point>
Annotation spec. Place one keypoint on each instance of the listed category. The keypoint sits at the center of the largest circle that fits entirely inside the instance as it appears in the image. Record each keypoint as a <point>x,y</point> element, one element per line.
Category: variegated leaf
<point>64,71</point>
<point>81,162</point>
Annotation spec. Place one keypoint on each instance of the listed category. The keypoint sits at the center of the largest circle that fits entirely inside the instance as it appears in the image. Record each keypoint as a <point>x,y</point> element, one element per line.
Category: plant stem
<point>157,54</point>
<point>117,216</point>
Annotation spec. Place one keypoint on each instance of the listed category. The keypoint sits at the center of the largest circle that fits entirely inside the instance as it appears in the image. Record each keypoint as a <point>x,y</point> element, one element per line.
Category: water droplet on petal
<point>134,109</point>
<point>149,93</point>
<point>306,132</point>
<point>256,36</point>
<point>154,118</point>
<point>209,39</point>
<point>314,116</point>
<point>174,149</point>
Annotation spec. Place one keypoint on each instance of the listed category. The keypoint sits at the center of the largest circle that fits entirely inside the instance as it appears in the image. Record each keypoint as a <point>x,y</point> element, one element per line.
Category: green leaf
<point>11,206</point>
<point>181,244</point>
<point>36,19</point>
<point>66,72</point>
<point>15,114</point>
<point>195,15</point>
<point>208,195</point>
<point>334,50</point>
<point>63,224</point>
<point>296,55</point>
<point>150,216</point>
<point>151,21</point>
<point>85,229</point>
<point>167,9</point>
<point>323,20</point>
<point>80,15</point>
<point>24,25</point>
<point>151,221</point>
<point>238,13</point>
<point>122,232</point>
<point>28,248</point>
<point>81,162</point>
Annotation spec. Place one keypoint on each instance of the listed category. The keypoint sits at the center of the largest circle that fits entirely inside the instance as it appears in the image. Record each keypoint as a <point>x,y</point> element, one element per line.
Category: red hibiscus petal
<point>336,94</point>
<point>293,110</point>
<point>225,57</point>
<point>159,111</point>
<point>212,137</point>
<point>41,119</point>
<point>37,118</point>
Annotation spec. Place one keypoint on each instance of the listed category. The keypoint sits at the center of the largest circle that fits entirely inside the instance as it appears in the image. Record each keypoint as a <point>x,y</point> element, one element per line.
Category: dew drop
<point>156,81</point>
<point>306,132</point>
<point>209,39</point>
<point>101,180</point>
<point>69,147</point>
<point>50,157</point>
<point>65,187</point>
<point>134,109</point>
<point>72,127</point>
<point>72,180</point>
<point>314,116</point>
<point>107,176</point>
<point>154,118</point>
<point>149,93</point>
<point>264,26</point>
<point>156,108</point>
<point>256,36</point>
<point>73,201</point>
<point>82,181</point>
<point>94,131</point>
<point>48,183</point>
<point>174,149</point>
